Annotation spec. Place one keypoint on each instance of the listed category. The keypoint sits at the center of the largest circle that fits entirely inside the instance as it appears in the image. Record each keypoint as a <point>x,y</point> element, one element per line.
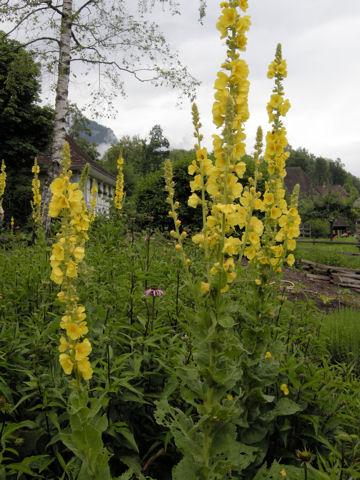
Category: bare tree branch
<point>24,19</point>
<point>86,4</point>
<point>53,7</point>
<point>40,39</point>
<point>119,67</point>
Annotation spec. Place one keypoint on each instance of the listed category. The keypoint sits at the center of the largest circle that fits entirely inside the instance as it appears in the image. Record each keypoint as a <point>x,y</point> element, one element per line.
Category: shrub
<point>319,227</point>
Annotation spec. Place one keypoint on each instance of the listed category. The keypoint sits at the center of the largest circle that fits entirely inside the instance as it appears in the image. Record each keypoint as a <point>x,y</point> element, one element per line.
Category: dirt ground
<point>327,296</point>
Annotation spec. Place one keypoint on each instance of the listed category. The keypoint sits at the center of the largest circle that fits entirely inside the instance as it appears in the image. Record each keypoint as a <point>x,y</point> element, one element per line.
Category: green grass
<point>330,254</point>
<point>341,330</point>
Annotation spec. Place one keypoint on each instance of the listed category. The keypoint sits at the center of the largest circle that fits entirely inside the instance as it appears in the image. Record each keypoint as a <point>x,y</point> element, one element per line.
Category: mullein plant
<point>119,188</point>
<point>2,188</point>
<point>237,222</point>
<point>68,251</point>
<point>281,221</point>
<point>206,434</point>
<point>36,201</point>
<point>93,201</point>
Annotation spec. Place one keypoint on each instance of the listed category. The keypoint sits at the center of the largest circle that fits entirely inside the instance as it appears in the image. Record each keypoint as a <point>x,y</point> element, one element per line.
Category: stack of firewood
<point>343,277</point>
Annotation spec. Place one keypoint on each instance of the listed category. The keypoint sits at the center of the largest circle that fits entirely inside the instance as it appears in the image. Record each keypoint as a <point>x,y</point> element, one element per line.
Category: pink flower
<point>155,292</point>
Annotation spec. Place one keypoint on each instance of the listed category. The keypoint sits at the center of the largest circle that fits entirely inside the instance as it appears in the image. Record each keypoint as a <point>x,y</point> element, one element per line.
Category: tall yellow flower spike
<point>281,223</point>
<point>219,181</point>
<point>67,253</point>
<point>36,201</point>
<point>119,189</point>
<point>2,184</point>
<point>93,201</point>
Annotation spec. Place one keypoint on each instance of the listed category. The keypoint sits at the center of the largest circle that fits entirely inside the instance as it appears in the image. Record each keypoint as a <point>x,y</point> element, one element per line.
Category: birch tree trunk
<point>62,91</point>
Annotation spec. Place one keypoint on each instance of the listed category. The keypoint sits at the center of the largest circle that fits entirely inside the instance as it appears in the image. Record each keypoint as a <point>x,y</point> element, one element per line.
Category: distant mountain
<point>101,135</point>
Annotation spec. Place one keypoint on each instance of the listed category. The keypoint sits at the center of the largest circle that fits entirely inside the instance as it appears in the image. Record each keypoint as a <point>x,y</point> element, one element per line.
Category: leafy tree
<point>321,171</point>
<point>133,151</point>
<point>338,174</point>
<point>301,158</point>
<point>150,197</point>
<point>25,126</point>
<point>94,32</point>
<point>156,151</point>
<point>141,156</point>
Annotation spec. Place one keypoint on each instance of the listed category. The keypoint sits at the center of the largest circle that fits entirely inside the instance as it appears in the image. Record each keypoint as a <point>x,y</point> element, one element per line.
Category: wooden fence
<point>314,241</point>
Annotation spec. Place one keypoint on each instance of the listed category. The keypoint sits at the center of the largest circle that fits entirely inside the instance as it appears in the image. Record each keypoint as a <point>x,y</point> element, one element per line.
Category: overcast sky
<point>321,42</point>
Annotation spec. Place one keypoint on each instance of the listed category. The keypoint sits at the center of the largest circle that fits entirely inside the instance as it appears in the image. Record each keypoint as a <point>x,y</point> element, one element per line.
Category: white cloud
<point>320,40</point>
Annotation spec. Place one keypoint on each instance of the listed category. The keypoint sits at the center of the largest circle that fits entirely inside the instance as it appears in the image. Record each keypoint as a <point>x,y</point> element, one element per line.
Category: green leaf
<point>123,429</point>
<point>286,406</point>
<point>186,469</point>
<point>226,320</point>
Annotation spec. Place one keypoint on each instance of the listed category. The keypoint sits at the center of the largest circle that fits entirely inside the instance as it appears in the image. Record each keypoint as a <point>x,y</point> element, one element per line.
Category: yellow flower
<point>225,289</point>
<point>243,5</point>
<point>78,253</point>
<point>291,244</point>
<point>268,198</point>
<point>275,213</point>
<point>64,345</point>
<point>290,260</point>
<point>75,331</point>
<point>283,472</point>
<point>57,203</point>
<point>80,313</point>
<point>230,276</point>
<point>239,70</point>
<point>57,275</point>
<point>58,252</point>
<point>197,183</point>
<point>82,350</point>
<point>194,200</point>
<point>254,239</point>
<point>284,389</point>
<point>66,363</point>
<point>268,356</point>
<point>256,226</point>
<point>198,239</point>
<point>71,270</point>
<point>62,296</point>
<point>75,197</point>
<point>259,204</point>
<point>231,245</point>
<point>234,187</point>
<point>204,287</point>
<point>243,24</point>
<point>258,281</point>
<point>293,231</point>
<point>58,186</point>
<point>284,107</point>
<point>278,250</point>
<point>240,169</point>
<point>275,100</point>
<point>281,68</point>
<point>225,20</point>
<point>221,81</point>
<point>271,70</point>
<point>250,253</point>
<point>84,368</point>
